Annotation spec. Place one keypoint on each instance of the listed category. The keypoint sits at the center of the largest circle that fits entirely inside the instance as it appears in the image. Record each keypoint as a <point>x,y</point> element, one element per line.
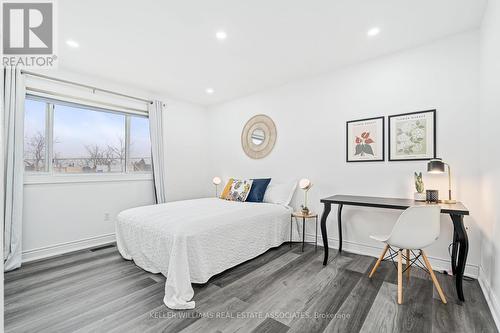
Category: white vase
<point>419,196</point>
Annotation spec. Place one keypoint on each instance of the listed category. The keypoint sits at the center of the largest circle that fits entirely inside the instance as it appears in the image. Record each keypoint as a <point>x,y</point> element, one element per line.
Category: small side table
<point>304,217</point>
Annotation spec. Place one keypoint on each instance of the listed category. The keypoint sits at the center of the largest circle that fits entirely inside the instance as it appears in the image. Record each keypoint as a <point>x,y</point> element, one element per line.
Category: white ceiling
<point>170,46</point>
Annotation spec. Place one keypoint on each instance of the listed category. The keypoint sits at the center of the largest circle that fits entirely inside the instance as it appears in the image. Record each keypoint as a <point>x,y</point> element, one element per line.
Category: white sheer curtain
<point>13,92</point>
<point>157,132</point>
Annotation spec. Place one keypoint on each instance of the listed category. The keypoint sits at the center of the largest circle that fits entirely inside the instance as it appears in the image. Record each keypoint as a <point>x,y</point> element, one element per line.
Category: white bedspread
<point>190,241</point>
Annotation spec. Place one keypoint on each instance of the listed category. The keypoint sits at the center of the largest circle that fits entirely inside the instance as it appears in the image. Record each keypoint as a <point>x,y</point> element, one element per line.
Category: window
<point>79,139</point>
<point>140,145</point>
<point>88,141</point>
<point>35,134</point>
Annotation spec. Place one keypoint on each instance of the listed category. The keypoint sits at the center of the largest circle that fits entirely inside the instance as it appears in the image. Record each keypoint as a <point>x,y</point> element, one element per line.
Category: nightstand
<point>304,217</point>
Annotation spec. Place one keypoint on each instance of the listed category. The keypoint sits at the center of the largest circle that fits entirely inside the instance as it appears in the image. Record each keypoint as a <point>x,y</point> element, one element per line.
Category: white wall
<point>490,160</point>
<point>188,175</point>
<point>310,116</point>
<point>66,216</point>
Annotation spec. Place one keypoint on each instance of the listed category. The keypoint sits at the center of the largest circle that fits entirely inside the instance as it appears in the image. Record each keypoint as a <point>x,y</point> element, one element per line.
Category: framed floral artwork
<point>412,136</point>
<point>365,140</point>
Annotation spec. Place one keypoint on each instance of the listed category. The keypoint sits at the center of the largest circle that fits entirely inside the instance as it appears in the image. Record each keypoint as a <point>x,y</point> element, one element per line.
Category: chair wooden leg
<point>378,261</point>
<point>433,276</point>
<point>407,265</point>
<point>400,278</point>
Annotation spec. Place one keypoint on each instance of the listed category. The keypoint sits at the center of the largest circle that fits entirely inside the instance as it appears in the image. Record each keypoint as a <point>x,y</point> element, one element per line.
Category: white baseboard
<point>54,250</point>
<point>439,264</point>
<point>491,299</point>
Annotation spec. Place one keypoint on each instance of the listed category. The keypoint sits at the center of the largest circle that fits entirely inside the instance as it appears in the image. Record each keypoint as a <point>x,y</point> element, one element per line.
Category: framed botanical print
<point>365,140</point>
<point>412,136</point>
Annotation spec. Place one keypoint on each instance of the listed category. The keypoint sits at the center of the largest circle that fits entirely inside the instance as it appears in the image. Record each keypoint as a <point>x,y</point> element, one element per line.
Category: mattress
<point>192,240</point>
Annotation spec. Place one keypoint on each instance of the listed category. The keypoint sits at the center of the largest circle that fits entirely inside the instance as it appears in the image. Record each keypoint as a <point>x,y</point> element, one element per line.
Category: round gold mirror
<point>258,136</point>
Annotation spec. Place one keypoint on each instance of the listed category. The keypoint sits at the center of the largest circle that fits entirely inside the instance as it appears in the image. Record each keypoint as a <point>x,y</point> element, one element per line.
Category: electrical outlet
<point>106,216</point>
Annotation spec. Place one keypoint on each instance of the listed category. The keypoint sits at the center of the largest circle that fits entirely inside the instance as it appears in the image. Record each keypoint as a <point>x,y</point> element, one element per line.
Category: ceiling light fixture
<point>209,91</point>
<point>221,35</point>
<point>373,32</point>
<point>72,43</point>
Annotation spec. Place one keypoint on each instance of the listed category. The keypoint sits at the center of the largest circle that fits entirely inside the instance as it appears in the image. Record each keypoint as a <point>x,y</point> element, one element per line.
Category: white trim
<point>127,142</point>
<point>34,179</point>
<point>57,249</point>
<point>490,297</point>
<point>439,264</point>
<point>49,137</point>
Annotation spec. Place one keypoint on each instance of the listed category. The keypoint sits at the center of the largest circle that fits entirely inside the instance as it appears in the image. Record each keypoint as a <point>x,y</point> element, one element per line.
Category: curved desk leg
<point>454,251</point>
<point>339,221</point>
<point>463,241</point>
<point>324,216</point>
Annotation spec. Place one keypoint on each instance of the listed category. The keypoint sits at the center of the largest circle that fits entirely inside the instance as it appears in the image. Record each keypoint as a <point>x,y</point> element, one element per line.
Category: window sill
<point>30,179</point>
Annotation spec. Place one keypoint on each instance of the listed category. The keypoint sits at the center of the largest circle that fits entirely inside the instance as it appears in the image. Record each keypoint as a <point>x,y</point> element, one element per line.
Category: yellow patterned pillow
<point>225,192</point>
<point>237,189</point>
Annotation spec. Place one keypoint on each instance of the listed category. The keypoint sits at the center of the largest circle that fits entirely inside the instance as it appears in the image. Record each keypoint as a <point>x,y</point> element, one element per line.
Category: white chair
<point>417,228</point>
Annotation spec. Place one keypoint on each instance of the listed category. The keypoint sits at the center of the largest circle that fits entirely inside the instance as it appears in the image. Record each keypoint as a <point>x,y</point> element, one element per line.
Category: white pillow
<point>280,193</point>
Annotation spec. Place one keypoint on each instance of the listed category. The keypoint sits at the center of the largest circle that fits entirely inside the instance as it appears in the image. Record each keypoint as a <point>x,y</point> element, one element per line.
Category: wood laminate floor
<point>283,290</point>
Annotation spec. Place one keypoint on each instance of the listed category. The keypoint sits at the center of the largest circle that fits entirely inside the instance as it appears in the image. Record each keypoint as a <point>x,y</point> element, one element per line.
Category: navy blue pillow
<point>258,190</point>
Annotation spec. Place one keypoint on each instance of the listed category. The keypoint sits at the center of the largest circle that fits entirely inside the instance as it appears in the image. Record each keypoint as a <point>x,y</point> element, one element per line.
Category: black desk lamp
<point>437,165</point>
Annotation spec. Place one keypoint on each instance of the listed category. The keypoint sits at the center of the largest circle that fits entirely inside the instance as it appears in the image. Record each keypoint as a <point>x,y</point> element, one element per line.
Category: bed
<point>192,240</point>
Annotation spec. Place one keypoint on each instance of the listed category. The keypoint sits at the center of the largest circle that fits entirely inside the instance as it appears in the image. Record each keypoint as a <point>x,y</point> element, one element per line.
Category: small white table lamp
<point>216,182</point>
<point>306,185</point>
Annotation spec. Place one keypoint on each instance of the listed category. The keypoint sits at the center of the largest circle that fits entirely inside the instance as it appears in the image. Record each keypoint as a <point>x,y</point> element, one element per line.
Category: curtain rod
<point>86,86</point>
<point>115,107</point>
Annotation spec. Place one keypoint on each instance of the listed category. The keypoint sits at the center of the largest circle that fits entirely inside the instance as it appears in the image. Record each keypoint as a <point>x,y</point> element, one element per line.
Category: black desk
<point>456,211</point>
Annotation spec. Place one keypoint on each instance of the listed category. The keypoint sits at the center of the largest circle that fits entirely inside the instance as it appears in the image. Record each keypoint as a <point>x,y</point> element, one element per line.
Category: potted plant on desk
<point>419,186</point>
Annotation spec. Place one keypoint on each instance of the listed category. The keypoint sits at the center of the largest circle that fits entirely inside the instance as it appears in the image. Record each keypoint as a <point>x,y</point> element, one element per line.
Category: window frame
<point>49,176</point>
